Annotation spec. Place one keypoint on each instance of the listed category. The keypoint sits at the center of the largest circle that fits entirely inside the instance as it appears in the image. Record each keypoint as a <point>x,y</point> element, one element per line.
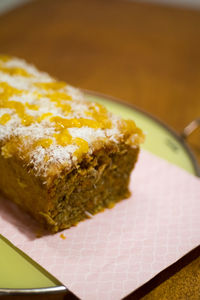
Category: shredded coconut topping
<point>51,120</point>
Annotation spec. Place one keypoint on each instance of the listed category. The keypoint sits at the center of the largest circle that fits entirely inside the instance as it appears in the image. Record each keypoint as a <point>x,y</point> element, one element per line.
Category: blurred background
<point>6,5</point>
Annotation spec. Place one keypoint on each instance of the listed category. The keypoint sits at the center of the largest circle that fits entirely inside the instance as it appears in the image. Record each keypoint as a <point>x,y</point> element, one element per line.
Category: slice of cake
<point>62,158</point>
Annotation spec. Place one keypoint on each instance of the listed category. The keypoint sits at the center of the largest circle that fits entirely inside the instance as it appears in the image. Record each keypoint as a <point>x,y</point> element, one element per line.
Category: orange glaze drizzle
<point>66,108</point>
<point>5,58</point>
<point>52,92</point>
<point>6,92</point>
<point>83,147</point>
<point>60,98</point>
<point>43,117</point>
<point>63,138</point>
<point>129,127</point>
<point>97,112</point>
<point>45,143</point>
<point>20,110</point>
<point>38,95</point>
<point>13,71</point>
<point>8,149</point>
<point>100,114</point>
<point>63,236</point>
<point>32,106</point>
<point>61,123</point>
<point>4,119</point>
<point>55,85</point>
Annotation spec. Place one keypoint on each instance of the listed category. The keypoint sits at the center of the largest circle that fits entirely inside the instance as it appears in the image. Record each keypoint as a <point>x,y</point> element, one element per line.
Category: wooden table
<point>145,54</point>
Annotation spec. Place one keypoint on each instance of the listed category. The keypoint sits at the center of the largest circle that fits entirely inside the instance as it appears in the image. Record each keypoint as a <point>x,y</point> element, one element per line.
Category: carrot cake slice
<point>62,158</point>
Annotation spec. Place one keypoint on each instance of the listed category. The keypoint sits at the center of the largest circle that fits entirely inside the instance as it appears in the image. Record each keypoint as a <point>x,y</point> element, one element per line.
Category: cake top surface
<point>49,122</point>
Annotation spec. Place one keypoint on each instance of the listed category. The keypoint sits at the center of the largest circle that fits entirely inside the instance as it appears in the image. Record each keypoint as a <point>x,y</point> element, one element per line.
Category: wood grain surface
<point>145,54</point>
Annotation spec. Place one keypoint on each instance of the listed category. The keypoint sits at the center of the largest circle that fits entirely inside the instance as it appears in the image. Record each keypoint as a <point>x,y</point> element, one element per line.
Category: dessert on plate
<point>62,158</point>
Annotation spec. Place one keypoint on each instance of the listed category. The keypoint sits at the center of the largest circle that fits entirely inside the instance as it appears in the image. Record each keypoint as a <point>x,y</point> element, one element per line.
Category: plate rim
<point>35,291</point>
<point>156,119</point>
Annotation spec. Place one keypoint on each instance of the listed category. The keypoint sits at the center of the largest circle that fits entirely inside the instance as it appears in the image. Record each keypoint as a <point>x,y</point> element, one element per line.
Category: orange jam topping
<point>97,115</point>
<point>63,236</point>
<point>15,71</point>
<point>26,120</point>
<point>56,85</point>
<point>68,123</point>
<point>100,114</point>
<point>45,143</point>
<point>83,147</point>
<point>32,106</point>
<point>53,93</point>
<point>66,108</point>
<point>44,116</point>
<point>4,119</point>
<point>129,128</point>
<point>18,106</point>
<point>59,96</point>
<point>37,95</point>
<point>63,138</point>
<point>7,91</point>
<point>5,58</point>
<point>8,149</point>
<point>20,110</point>
<point>46,157</point>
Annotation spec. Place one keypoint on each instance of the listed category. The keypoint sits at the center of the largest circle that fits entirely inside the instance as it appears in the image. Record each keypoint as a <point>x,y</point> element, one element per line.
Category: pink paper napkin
<point>116,251</point>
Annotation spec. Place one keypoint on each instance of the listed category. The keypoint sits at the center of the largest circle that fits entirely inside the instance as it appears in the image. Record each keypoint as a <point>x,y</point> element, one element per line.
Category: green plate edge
<point>160,139</point>
<point>18,271</point>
